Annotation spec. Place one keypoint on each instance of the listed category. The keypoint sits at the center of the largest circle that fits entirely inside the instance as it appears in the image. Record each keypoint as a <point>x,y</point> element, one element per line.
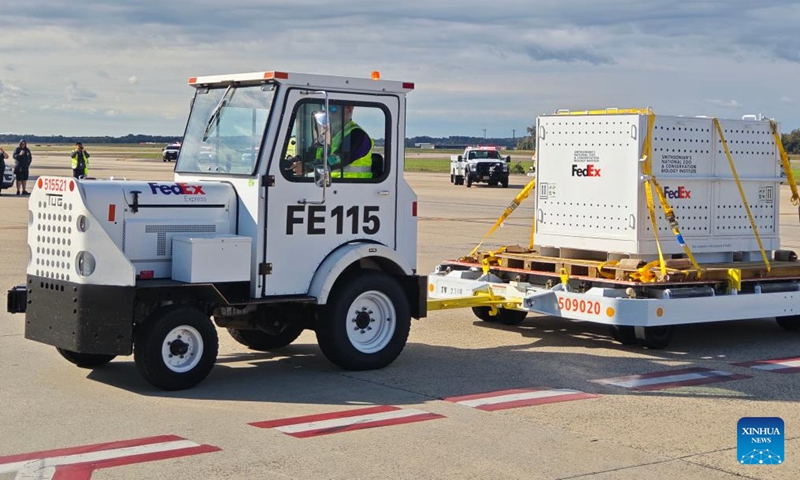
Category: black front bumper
<point>490,171</point>
<point>80,318</point>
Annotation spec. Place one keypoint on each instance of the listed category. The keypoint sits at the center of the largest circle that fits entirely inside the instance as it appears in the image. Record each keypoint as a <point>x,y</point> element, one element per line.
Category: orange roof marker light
<point>280,75</point>
<point>376,75</point>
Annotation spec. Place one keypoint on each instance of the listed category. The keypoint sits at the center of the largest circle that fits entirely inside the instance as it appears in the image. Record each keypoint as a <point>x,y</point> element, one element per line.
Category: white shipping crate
<point>590,185</point>
<point>207,258</point>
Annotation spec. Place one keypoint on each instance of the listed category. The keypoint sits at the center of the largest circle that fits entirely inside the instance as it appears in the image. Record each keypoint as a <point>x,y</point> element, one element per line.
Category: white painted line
<point>102,455</point>
<point>516,397</point>
<point>343,422</point>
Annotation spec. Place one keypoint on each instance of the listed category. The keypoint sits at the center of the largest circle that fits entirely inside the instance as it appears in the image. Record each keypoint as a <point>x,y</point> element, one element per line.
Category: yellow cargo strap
<point>741,192</point>
<point>669,214</point>
<point>490,260</point>
<point>787,167</point>
<point>522,195</point>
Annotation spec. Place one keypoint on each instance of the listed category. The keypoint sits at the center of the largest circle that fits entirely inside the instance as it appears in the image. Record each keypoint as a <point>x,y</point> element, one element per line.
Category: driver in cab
<point>350,152</point>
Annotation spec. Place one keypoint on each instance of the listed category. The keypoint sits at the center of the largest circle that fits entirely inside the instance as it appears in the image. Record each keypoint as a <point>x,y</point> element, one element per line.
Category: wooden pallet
<point>679,270</point>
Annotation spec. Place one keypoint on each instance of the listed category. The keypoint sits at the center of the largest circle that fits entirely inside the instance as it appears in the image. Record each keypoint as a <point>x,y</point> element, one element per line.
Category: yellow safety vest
<point>75,154</point>
<point>358,168</point>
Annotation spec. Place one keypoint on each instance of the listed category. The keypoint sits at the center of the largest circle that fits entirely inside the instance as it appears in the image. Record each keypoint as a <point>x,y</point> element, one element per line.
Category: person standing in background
<point>3,156</point>
<point>22,165</point>
<point>80,161</point>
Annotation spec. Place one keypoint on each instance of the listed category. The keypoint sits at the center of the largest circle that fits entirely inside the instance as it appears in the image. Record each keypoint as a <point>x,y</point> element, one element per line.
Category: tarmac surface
<point>611,433</point>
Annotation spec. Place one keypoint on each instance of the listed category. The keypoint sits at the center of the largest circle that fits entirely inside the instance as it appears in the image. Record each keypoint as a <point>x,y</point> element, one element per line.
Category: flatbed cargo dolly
<point>608,182</point>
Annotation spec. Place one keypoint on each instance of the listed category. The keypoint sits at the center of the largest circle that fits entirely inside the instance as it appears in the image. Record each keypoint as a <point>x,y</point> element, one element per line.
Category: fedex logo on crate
<point>176,189</point>
<point>679,193</point>
<point>589,170</point>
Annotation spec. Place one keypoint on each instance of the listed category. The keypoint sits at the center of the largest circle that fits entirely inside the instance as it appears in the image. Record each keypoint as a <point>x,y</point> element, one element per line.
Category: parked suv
<point>171,152</point>
<point>8,178</point>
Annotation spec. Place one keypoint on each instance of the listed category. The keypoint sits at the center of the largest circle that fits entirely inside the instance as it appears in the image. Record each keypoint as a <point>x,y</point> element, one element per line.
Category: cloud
<point>724,103</point>
<point>476,65</point>
<point>76,93</point>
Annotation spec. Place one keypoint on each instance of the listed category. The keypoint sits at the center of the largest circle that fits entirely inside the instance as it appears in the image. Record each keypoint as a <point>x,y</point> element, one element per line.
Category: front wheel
<point>176,347</point>
<point>504,182</point>
<point>504,316</point>
<point>85,360</point>
<point>366,322</point>
<point>469,180</point>
<point>264,342</point>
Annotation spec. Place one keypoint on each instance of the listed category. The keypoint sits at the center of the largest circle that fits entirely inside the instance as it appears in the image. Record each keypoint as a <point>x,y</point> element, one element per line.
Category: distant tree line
<point>130,138</point>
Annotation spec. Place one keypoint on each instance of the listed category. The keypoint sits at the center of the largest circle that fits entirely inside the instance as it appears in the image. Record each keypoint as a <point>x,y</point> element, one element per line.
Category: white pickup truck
<point>479,164</point>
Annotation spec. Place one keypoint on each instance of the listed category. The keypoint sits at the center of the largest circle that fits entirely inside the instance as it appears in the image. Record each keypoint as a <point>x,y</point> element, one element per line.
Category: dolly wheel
<point>789,323</point>
<point>654,338</point>
<point>624,334</point>
<point>504,316</point>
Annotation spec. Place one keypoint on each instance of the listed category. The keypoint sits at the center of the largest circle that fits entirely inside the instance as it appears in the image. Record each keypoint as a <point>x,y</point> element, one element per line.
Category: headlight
<point>85,264</point>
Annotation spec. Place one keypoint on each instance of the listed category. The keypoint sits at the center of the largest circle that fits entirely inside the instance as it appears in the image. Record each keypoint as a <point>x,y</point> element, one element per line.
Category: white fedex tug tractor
<point>264,245</point>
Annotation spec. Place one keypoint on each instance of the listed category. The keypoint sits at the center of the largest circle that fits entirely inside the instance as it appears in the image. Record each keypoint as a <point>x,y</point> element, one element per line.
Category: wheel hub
<point>178,347</point>
<point>362,319</point>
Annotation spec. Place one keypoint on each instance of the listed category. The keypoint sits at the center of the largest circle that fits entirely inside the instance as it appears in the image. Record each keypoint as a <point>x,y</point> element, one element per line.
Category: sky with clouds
<point>113,67</point>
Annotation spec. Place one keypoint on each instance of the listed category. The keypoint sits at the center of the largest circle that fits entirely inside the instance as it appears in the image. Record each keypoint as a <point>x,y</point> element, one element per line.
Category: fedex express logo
<point>588,171</point>
<point>176,189</point>
<point>680,192</point>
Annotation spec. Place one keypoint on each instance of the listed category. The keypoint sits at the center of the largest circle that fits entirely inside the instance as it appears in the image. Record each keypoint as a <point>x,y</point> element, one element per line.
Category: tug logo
<point>588,171</point>
<point>679,192</point>
<point>176,189</point>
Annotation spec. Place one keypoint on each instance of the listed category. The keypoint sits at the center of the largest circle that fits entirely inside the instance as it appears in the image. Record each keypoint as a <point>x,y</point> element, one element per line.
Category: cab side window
<point>357,135</point>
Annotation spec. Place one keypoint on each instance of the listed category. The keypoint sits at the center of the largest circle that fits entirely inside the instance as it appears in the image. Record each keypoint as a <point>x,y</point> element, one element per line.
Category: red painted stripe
<point>83,471</point>
<point>361,426</point>
<point>689,383</point>
<point>323,416</point>
<point>536,401</point>
<point>766,362</point>
<point>498,393</point>
<point>89,448</point>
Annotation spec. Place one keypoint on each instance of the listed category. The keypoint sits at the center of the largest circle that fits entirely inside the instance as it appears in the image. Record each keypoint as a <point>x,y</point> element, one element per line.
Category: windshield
<point>225,128</point>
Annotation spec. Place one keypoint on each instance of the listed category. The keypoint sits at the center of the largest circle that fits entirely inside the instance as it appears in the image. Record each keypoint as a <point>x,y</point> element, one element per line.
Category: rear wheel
<point>262,341</point>
<point>176,347</point>
<point>654,338</point>
<point>789,323</point>
<point>504,316</point>
<point>459,179</point>
<point>365,324</point>
<point>624,334</point>
<point>85,360</point>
